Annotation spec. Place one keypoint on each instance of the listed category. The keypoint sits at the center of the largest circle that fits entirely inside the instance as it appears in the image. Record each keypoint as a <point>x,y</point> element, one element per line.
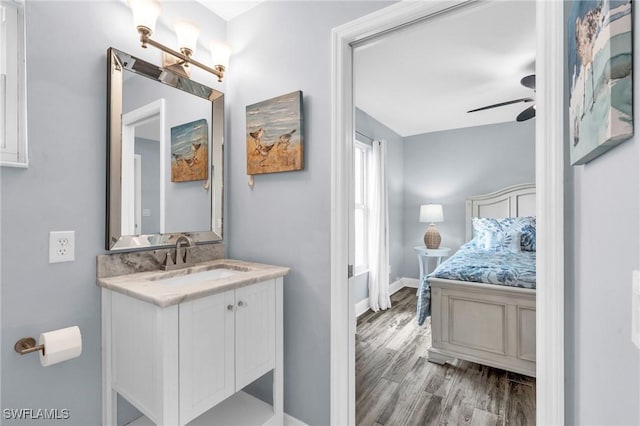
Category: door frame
<point>549,210</point>
<point>152,111</point>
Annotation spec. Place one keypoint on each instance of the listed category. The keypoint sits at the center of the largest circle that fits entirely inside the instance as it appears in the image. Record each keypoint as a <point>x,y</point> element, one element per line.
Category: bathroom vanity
<point>181,345</point>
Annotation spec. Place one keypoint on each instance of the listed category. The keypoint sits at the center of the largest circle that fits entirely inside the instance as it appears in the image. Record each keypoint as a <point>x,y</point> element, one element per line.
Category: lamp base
<point>432,237</point>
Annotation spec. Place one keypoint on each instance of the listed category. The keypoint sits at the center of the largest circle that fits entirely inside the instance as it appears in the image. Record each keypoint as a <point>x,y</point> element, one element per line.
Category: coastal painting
<point>274,136</point>
<point>189,151</point>
<point>600,73</point>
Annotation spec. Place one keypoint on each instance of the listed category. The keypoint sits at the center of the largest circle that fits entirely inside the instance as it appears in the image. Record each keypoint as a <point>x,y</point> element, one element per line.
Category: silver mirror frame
<point>118,62</point>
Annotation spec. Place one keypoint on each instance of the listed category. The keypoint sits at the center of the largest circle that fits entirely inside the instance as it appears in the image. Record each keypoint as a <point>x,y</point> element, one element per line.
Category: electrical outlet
<point>635,309</point>
<point>62,246</point>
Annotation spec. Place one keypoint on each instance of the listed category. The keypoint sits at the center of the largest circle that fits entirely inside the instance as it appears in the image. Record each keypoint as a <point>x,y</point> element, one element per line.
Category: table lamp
<point>431,213</point>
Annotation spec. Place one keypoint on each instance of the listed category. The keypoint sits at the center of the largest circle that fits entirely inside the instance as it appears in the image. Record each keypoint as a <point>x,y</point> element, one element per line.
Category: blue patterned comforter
<point>500,267</point>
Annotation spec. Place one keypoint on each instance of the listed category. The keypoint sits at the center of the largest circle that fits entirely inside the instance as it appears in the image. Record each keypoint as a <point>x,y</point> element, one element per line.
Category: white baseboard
<point>292,421</point>
<point>410,282</point>
<point>395,286</point>
<point>363,305</point>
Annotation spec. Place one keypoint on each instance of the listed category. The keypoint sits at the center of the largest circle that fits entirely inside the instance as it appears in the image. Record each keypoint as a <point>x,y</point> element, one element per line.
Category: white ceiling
<point>228,10</point>
<point>424,78</point>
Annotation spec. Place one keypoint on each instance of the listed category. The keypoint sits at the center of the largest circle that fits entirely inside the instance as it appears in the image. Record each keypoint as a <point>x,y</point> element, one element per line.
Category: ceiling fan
<point>529,82</point>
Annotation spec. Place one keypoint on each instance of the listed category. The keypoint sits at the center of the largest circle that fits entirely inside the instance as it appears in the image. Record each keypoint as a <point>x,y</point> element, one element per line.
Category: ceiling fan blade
<point>529,81</point>
<point>515,101</point>
<point>527,114</point>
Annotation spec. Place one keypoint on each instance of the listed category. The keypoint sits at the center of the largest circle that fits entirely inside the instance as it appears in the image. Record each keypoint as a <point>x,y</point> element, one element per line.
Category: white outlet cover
<point>62,246</point>
<point>635,309</point>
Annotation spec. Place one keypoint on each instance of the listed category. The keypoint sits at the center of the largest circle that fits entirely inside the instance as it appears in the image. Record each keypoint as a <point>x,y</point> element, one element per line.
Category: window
<point>13,140</point>
<point>362,154</point>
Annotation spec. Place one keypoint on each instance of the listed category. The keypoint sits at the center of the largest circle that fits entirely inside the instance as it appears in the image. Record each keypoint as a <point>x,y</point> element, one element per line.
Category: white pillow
<point>499,241</point>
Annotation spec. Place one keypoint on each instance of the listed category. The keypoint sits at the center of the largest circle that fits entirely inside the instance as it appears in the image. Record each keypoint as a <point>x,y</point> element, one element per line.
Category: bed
<point>491,322</point>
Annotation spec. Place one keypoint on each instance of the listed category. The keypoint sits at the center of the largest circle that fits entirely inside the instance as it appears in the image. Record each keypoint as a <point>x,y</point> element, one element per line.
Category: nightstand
<point>424,253</point>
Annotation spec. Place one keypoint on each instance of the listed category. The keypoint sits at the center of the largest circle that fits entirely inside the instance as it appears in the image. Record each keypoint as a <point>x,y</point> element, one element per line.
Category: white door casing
<point>549,184</point>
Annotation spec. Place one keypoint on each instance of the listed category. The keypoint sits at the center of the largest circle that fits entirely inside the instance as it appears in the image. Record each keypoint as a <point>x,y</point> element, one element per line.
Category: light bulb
<point>220,52</point>
<point>145,13</point>
<point>187,34</point>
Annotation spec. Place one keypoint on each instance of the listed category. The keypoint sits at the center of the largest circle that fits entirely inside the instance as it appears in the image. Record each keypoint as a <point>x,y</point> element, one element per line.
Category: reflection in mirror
<point>165,156</point>
<point>142,168</point>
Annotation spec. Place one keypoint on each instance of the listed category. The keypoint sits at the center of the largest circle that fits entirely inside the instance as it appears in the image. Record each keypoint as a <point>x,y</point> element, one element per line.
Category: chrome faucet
<point>179,261</point>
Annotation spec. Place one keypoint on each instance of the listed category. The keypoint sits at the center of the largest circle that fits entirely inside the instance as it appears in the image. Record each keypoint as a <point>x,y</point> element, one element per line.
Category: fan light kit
<point>528,82</point>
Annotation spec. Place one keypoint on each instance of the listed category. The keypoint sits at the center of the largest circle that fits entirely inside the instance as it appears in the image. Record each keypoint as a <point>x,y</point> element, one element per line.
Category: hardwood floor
<point>396,385</point>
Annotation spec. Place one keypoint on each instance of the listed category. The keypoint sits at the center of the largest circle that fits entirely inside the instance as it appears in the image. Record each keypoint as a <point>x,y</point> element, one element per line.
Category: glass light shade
<point>187,35</point>
<point>145,13</point>
<point>220,53</point>
<point>431,213</point>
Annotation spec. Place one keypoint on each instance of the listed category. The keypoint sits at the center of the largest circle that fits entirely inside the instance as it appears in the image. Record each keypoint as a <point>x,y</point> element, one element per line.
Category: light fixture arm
<point>145,39</point>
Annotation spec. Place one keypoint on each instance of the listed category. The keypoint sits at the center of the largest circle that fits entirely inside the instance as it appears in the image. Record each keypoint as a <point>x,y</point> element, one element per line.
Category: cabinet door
<point>206,353</point>
<point>255,331</point>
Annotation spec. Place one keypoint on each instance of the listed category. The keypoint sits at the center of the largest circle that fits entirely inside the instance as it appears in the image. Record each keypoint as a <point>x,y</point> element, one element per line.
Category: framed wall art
<point>274,135</point>
<point>600,77</point>
<point>190,151</point>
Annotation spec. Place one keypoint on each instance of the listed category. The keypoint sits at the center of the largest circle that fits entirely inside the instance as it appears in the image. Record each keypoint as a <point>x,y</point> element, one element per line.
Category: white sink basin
<point>197,277</point>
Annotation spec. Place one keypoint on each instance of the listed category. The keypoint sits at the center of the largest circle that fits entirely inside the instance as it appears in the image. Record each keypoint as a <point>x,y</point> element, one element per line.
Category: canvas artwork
<point>274,136</point>
<point>189,151</point>
<point>600,65</point>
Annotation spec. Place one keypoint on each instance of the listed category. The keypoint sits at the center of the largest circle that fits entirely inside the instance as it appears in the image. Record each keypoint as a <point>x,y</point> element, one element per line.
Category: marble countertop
<point>149,286</point>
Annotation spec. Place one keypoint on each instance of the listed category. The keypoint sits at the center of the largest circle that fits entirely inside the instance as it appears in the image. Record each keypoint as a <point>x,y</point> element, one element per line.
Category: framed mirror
<point>165,156</point>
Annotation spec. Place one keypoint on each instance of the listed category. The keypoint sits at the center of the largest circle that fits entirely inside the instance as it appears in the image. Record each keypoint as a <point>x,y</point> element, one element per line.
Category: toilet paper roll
<point>60,345</point>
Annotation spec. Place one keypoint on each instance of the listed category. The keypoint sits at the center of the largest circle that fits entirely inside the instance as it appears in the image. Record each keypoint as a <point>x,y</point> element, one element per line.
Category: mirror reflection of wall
<point>147,178</point>
<point>187,205</point>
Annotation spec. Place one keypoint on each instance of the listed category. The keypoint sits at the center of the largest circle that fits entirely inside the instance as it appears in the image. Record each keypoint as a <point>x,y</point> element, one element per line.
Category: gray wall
<point>64,189</point>
<point>446,167</point>
<point>602,247</point>
<point>150,184</point>
<point>283,47</point>
<point>376,130</point>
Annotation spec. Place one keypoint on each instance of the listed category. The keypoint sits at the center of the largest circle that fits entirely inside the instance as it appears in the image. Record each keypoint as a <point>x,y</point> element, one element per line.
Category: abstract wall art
<point>600,77</point>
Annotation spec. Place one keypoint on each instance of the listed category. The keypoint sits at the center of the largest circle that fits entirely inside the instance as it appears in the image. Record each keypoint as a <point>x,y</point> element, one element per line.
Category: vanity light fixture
<point>145,15</point>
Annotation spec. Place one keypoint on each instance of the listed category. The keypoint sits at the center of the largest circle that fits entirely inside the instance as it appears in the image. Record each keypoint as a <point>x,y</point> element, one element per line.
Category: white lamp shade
<point>431,213</point>
<point>187,34</point>
<point>220,53</point>
<point>145,13</point>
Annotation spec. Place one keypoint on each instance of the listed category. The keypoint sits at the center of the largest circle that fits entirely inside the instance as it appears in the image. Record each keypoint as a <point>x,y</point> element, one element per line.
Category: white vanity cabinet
<point>226,342</point>
<point>187,363</point>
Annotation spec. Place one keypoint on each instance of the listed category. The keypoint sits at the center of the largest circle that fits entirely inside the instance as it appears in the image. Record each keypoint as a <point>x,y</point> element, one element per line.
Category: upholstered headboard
<point>512,201</point>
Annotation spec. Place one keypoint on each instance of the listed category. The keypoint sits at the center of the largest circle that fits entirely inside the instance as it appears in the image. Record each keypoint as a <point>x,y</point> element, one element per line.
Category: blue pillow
<point>528,239</point>
<point>493,234</point>
<point>526,225</point>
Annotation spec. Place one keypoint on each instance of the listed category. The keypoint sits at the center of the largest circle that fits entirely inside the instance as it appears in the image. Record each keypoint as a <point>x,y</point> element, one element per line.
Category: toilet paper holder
<point>26,345</point>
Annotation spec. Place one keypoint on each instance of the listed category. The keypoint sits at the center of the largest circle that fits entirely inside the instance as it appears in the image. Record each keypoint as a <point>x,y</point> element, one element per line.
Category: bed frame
<point>484,323</point>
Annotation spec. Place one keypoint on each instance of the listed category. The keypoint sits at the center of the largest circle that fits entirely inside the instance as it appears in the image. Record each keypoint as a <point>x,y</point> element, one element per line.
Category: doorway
<point>143,165</point>
<point>549,181</point>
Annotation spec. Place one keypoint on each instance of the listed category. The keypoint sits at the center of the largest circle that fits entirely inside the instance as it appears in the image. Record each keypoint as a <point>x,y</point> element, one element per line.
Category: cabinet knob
<point>230,307</point>
<point>242,304</point>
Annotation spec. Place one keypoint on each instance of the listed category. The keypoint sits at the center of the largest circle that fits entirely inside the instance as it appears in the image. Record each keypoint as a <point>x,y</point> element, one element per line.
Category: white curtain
<point>379,230</point>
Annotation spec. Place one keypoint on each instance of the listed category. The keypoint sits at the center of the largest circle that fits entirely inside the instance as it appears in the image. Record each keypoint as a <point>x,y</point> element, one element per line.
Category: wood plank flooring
<point>396,385</point>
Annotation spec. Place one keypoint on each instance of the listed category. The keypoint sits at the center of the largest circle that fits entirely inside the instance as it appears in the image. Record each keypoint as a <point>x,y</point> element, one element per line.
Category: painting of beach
<point>189,151</point>
<point>274,136</point>
<point>600,72</point>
